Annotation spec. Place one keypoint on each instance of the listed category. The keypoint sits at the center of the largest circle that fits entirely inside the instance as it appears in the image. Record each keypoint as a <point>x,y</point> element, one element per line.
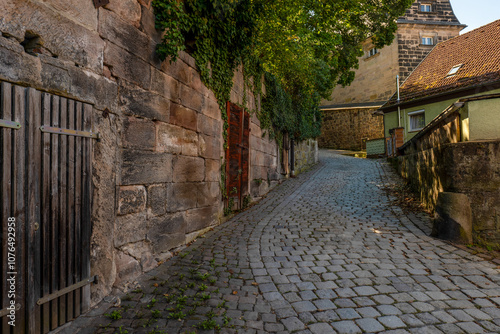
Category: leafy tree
<point>306,47</point>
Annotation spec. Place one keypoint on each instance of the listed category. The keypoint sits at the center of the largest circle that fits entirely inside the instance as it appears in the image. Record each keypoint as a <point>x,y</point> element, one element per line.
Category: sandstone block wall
<point>411,52</point>
<point>375,79</point>
<point>306,155</point>
<point>156,168</point>
<point>348,129</point>
<point>471,168</point>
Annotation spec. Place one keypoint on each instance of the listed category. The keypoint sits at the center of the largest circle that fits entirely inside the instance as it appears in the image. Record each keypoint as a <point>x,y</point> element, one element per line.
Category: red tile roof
<point>479,53</point>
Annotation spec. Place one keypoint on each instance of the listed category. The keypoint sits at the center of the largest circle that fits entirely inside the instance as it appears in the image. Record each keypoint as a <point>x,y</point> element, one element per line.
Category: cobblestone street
<point>323,253</point>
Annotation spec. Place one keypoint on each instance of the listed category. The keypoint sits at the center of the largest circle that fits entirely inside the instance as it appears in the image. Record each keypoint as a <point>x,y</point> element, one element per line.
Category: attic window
<point>454,70</point>
<point>426,7</point>
<point>426,40</point>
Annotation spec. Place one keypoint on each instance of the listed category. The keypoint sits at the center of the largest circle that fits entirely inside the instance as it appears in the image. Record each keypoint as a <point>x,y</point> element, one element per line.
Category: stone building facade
<point>424,24</point>
<point>156,168</point>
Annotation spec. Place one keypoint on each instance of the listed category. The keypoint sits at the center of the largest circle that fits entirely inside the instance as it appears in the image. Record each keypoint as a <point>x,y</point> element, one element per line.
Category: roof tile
<point>479,53</point>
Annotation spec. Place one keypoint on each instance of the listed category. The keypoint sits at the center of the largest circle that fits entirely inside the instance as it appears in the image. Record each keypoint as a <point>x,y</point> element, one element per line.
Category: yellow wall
<point>484,118</point>
<point>375,78</point>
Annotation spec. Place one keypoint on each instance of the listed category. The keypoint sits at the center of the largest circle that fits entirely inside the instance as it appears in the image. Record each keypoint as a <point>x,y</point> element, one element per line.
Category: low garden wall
<point>471,168</point>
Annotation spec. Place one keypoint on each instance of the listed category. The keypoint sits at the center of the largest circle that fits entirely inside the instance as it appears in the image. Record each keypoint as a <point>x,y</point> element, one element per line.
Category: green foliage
<point>218,34</point>
<point>304,47</point>
<point>115,315</point>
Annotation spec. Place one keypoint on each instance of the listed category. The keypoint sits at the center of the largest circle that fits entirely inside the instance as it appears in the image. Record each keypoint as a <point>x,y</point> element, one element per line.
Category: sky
<point>476,13</point>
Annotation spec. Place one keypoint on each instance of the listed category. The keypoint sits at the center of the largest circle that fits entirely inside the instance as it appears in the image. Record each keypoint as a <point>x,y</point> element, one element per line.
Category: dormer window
<point>426,7</point>
<point>372,52</point>
<point>427,40</point>
<point>454,70</point>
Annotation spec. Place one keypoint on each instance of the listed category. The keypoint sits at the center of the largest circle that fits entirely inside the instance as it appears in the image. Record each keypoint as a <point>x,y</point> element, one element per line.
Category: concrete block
<point>188,169</point>
<point>145,167</point>
<point>131,199</point>
<point>139,133</point>
<point>453,218</point>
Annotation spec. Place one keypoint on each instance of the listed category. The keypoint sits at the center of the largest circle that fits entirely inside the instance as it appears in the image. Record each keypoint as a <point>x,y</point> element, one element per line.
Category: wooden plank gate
<point>45,172</point>
<point>238,155</point>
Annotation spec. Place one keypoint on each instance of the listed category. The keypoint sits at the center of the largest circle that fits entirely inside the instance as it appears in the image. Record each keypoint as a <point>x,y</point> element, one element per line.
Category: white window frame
<point>424,39</point>
<point>372,52</point>
<point>425,6</point>
<point>415,113</point>
<point>454,70</point>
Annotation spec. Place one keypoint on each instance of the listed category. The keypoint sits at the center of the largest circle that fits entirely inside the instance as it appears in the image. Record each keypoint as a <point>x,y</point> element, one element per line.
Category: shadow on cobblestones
<point>326,252</point>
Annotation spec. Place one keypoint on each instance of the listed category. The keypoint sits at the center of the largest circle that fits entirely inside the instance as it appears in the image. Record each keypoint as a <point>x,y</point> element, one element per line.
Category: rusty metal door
<point>45,171</point>
<point>238,154</point>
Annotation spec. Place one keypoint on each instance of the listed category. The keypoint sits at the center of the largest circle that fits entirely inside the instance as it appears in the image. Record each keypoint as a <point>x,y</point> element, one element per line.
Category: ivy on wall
<point>302,48</point>
<point>218,34</point>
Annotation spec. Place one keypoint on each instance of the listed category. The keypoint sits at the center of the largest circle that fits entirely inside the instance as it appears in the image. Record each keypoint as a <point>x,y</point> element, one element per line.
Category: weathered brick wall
<point>156,169</point>
<point>347,129</point>
<point>471,168</point>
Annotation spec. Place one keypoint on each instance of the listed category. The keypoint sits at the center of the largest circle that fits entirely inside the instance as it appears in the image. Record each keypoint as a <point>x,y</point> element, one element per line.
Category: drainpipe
<point>292,155</point>
<point>399,108</point>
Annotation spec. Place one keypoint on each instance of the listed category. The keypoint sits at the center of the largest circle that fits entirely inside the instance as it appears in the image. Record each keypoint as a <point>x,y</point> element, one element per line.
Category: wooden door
<point>46,145</point>
<point>238,154</point>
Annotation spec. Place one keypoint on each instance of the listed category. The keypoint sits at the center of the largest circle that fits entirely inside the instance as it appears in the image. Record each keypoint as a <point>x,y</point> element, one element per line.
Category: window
<point>454,70</point>
<point>372,52</point>
<point>427,41</point>
<point>417,120</point>
<point>426,7</point>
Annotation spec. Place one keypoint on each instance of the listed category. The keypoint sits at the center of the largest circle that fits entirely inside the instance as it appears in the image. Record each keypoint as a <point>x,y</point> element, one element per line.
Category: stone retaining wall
<point>156,168</point>
<point>471,168</point>
<point>306,155</point>
<point>348,129</point>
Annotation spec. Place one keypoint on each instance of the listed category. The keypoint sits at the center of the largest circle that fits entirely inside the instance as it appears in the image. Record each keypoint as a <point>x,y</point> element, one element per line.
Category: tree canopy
<point>304,47</point>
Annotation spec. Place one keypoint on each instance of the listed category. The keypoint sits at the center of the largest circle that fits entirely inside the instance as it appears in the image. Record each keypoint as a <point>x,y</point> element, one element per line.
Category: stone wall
<point>156,169</point>
<point>411,51</point>
<point>375,78</point>
<point>348,129</point>
<point>264,160</point>
<point>471,168</point>
<point>306,155</point>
